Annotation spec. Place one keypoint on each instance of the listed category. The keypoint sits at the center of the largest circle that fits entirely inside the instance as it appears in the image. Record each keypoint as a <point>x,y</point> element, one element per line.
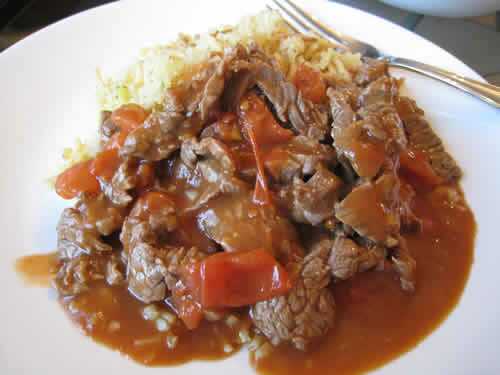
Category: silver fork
<point>303,22</point>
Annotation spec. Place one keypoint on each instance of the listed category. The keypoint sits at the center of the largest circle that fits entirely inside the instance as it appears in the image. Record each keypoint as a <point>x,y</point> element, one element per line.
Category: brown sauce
<point>37,269</point>
<point>98,311</point>
<point>375,322</point>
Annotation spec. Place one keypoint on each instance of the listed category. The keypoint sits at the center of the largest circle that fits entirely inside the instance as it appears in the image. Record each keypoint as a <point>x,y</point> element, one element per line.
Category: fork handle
<point>484,91</point>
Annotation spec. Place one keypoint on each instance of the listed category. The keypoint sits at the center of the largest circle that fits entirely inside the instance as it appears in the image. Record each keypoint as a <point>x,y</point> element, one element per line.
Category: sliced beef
<point>158,137</point>
<point>370,70</point>
<point>341,110</point>
<point>100,213</point>
<point>298,158</point>
<point>125,178</point>
<point>236,223</point>
<point>76,274</point>
<point>372,210</point>
<point>378,94</point>
<point>347,258</point>
<point>153,267</point>
<point>236,88</point>
<point>150,221</point>
<point>75,236</point>
<point>186,109</point>
<point>208,169</point>
<point>363,144</point>
<point>251,68</point>
<point>307,312</point>
<point>153,271</point>
<point>84,256</point>
<point>373,141</point>
<point>421,137</point>
<point>312,202</point>
<point>305,117</point>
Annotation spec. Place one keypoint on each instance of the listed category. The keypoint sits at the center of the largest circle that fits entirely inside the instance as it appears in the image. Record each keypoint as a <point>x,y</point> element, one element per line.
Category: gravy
<point>375,322</point>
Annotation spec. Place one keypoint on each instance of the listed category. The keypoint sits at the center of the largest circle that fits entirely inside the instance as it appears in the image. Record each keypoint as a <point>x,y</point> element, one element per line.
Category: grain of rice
<point>172,341</point>
<point>232,321</point>
<point>169,317</point>
<point>228,348</point>
<point>212,316</point>
<point>162,325</point>
<point>150,312</point>
<point>114,326</point>
<point>244,336</point>
<point>147,341</point>
<point>257,342</point>
<point>263,351</point>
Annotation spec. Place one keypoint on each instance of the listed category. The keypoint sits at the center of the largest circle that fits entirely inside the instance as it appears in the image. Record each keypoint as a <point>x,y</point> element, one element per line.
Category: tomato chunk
<point>129,117</point>
<point>76,179</point>
<point>105,164</point>
<point>262,130</point>
<point>309,82</point>
<point>417,170</point>
<point>237,279</point>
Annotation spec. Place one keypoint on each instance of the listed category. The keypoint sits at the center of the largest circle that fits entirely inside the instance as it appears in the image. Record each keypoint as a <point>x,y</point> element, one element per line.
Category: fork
<point>303,22</point>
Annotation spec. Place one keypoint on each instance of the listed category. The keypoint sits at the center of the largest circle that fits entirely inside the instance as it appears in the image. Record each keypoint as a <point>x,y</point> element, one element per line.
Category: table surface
<point>473,40</point>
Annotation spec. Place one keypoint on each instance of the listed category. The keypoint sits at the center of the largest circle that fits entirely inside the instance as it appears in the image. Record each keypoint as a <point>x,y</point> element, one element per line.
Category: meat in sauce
<point>189,236</point>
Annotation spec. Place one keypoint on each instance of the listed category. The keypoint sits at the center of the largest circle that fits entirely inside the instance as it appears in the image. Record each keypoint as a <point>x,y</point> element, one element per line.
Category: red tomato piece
<point>76,179</point>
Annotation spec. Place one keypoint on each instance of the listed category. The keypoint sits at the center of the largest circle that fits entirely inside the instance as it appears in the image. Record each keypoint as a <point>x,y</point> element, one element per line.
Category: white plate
<point>48,99</point>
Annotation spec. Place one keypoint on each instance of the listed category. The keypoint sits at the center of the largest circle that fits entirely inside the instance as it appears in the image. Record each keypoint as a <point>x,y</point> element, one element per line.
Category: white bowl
<point>447,8</point>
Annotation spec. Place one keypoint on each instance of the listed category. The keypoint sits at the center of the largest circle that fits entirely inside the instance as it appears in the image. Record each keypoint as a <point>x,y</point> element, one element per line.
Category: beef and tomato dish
<point>318,221</point>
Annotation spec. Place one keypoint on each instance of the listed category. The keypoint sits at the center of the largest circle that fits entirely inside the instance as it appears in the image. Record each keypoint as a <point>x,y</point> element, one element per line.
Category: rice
<point>158,67</point>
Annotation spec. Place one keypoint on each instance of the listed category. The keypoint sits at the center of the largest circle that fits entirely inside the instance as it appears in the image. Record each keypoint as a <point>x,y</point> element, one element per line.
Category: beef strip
<point>158,137</point>
<point>298,158</point>
<point>307,312</point>
<point>377,106</point>
<point>421,137</point>
<point>312,202</point>
<point>373,142</point>
<point>75,236</point>
<point>208,169</point>
<point>236,88</point>
<point>125,178</point>
<point>75,275</point>
<point>153,267</point>
<point>377,95</point>
<point>341,110</point>
<point>305,117</point>
<point>372,210</point>
<point>371,70</point>
<point>186,109</point>
<point>236,223</point>
<point>83,254</point>
<point>152,271</point>
<point>347,258</point>
<point>253,67</point>
<point>100,213</point>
